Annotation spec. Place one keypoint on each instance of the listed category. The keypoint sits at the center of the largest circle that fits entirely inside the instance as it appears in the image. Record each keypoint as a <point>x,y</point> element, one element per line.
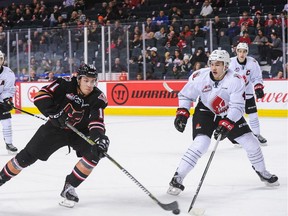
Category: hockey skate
<point>11,148</point>
<point>69,195</point>
<point>175,185</point>
<point>267,178</point>
<point>262,140</point>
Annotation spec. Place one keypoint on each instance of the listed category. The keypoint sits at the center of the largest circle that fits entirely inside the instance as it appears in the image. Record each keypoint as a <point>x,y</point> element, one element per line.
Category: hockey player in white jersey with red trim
<point>250,70</point>
<point>7,91</point>
<point>221,103</point>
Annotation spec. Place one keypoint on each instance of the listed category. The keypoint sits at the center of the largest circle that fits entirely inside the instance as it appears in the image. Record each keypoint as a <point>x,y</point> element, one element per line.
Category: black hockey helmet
<point>87,70</point>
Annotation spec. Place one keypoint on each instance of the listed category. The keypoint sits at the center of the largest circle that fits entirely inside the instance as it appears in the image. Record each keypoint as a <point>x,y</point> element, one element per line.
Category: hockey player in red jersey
<point>7,91</point>
<point>221,105</point>
<point>80,103</point>
<point>249,69</point>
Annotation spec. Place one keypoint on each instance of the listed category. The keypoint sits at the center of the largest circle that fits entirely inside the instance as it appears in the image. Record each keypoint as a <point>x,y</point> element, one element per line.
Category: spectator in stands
<point>54,16</point>
<point>137,41</point>
<point>271,17</point>
<point>33,76</point>
<point>198,32</point>
<point>148,34</point>
<point>171,40</point>
<point>245,38</point>
<point>119,43</point>
<point>197,66</point>
<point>187,33</point>
<point>182,43</point>
<point>199,56</point>
<point>118,67</point>
<point>269,29</point>
<point>167,59</point>
<point>186,67</point>
<point>101,21</point>
<point>176,25</point>
<point>94,32</point>
<point>261,40</point>
<point>274,48</point>
<point>148,23</point>
<point>233,30</point>
<point>3,39</point>
<point>206,9</point>
<point>23,75</point>
<point>153,58</point>
<point>161,20</point>
<point>139,76</point>
<point>258,19</point>
<point>276,70</point>
<point>218,24</point>
<point>58,68</point>
<point>51,76</point>
<point>198,22</point>
<point>160,34</point>
<point>245,20</point>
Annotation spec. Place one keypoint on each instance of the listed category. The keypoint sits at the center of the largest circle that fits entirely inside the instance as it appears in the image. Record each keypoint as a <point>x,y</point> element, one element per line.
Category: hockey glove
<point>259,90</point>
<point>180,121</point>
<point>224,127</point>
<point>7,104</point>
<point>59,119</point>
<point>101,145</point>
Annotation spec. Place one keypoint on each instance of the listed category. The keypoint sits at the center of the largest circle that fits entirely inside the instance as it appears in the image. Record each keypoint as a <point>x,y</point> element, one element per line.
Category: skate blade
<point>275,184</point>
<point>67,203</point>
<point>12,152</point>
<point>173,191</point>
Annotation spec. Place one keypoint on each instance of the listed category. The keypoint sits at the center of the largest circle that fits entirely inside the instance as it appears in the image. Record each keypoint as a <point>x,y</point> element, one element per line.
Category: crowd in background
<point>176,34</point>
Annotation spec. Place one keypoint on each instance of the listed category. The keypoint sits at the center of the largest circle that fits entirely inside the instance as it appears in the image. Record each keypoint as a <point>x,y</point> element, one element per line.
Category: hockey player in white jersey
<point>7,91</point>
<point>221,104</point>
<point>250,70</point>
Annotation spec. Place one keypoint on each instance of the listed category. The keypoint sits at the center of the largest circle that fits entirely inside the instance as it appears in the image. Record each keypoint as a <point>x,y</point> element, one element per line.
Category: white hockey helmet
<point>220,55</point>
<point>2,58</point>
<point>242,46</point>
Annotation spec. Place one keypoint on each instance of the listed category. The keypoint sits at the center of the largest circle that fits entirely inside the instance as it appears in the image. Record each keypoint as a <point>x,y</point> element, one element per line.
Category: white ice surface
<point>150,149</point>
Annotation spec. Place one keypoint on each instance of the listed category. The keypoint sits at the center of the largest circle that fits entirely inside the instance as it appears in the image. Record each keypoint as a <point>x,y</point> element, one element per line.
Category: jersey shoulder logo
<point>103,98</point>
<point>194,75</point>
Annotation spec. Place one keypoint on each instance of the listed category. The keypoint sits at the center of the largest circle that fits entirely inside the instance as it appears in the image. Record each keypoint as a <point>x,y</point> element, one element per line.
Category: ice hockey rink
<point>150,148</point>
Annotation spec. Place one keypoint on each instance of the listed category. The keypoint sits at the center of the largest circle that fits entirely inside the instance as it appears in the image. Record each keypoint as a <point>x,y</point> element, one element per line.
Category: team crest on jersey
<point>76,99</point>
<point>207,88</point>
<point>219,105</point>
<point>74,116</point>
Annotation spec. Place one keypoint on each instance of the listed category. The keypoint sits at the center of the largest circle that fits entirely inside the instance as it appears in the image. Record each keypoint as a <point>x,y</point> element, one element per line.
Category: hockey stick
<point>168,207</point>
<point>31,114</point>
<point>167,87</point>
<point>199,211</point>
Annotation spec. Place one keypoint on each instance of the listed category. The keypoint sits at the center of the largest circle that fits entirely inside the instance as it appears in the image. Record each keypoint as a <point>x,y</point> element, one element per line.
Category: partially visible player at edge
<point>76,101</point>
<point>221,94</point>
<point>249,69</point>
<point>7,91</point>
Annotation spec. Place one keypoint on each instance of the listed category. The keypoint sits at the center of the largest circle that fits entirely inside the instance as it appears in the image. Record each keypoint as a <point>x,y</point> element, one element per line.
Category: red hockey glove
<point>180,121</point>
<point>224,127</point>
<point>259,90</point>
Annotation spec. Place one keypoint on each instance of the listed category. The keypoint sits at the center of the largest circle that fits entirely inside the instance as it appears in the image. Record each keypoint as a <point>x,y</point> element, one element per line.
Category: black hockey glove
<point>180,121</point>
<point>101,145</point>
<point>59,119</point>
<point>7,104</point>
<point>224,127</point>
<point>259,90</point>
